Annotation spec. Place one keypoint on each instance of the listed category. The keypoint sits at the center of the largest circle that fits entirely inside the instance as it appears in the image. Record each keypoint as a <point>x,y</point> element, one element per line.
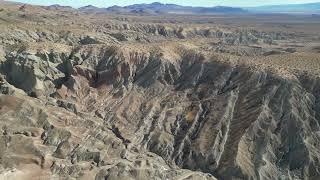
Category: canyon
<point>88,95</point>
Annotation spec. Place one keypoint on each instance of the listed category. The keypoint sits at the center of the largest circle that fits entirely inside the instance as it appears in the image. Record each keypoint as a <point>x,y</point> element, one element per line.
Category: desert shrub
<point>156,53</point>
<point>18,47</point>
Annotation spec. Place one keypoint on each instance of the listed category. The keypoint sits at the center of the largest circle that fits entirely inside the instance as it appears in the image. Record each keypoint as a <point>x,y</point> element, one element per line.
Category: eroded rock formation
<point>130,102</point>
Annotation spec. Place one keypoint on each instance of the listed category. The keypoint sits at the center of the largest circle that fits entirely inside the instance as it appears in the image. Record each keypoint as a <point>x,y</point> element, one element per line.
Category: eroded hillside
<point>105,96</point>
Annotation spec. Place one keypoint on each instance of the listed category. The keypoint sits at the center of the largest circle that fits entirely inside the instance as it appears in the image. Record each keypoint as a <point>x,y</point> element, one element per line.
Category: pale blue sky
<point>107,3</point>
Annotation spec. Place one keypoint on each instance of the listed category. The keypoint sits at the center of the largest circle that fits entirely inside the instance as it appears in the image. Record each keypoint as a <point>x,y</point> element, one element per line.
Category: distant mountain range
<point>308,8</point>
<point>159,8</point>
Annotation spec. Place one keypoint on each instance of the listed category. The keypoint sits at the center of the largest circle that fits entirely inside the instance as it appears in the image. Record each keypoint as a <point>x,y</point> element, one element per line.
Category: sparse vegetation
<point>86,94</point>
<point>18,47</point>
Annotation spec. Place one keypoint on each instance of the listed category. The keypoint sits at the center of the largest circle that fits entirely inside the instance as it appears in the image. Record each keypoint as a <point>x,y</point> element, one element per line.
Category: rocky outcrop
<point>227,120</point>
<point>130,97</point>
<point>35,73</point>
<point>61,143</point>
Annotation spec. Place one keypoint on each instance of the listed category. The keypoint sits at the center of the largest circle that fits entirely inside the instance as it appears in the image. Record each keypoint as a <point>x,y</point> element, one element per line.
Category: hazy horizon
<point>204,3</point>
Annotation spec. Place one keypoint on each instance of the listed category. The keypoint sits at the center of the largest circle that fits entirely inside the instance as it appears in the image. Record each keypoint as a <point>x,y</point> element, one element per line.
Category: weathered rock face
<point>209,116</point>
<point>228,121</point>
<point>35,73</point>
<point>115,97</point>
<point>61,144</point>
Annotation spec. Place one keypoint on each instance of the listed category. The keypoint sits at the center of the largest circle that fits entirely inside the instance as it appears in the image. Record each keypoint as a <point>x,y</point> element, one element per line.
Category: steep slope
<point>90,96</point>
<point>211,116</point>
<point>224,120</point>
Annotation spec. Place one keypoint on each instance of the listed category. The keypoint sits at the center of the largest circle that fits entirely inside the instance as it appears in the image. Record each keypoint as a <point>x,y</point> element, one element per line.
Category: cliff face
<point>198,114</point>
<point>179,103</point>
<point>226,120</point>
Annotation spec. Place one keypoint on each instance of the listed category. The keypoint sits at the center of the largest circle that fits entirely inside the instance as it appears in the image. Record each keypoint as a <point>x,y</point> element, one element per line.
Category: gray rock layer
<point>217,118</point>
